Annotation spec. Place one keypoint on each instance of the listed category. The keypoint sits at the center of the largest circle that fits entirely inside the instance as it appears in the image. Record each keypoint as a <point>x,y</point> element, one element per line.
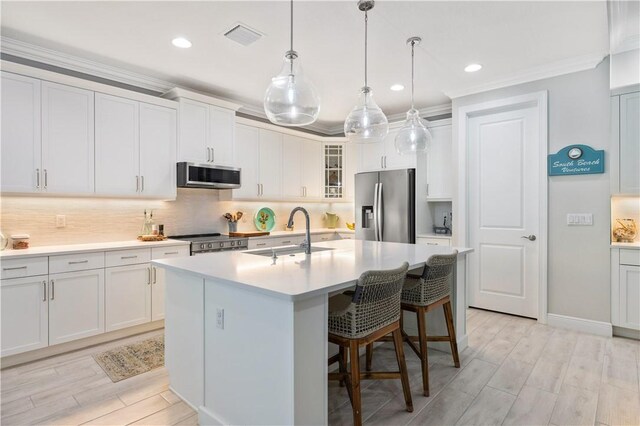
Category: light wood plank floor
<point>514,372</point>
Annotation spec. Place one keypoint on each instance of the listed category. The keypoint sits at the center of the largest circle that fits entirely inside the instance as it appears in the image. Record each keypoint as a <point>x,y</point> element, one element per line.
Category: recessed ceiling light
<point>181,42</point>
<point>473,67</point>
<point>397,87</point>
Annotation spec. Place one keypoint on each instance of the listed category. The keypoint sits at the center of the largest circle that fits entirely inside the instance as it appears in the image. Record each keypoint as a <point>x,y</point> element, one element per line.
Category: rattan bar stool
<point>372,312</point>
<point>421,294</point>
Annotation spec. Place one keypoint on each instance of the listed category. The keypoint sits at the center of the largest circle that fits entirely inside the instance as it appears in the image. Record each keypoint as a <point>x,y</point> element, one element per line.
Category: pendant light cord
<point>291,25</point>
<point>366,22</point>
<point>413,43</point>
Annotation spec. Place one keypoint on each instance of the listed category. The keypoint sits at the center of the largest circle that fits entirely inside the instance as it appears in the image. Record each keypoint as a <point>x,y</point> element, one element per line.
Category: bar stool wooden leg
<point>355,382</point>
<point>448,314</point>
<point>369,356</point>
<point>424,361</point>
<point>342,362</point>
<point>402,364</point>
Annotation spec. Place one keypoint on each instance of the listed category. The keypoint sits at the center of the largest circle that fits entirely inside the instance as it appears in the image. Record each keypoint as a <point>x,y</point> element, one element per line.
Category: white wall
<point>102,220</point>
<point>578,263</point>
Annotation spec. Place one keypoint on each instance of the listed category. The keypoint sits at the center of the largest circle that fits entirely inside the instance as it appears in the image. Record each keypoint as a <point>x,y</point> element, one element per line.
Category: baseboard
<point>626,332</point>
<point>580,324</point>
<point>206,417</point>
<point>183,398</point>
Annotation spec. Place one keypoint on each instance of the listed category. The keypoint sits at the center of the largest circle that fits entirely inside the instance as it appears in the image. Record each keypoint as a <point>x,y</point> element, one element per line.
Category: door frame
<point>464,113</point>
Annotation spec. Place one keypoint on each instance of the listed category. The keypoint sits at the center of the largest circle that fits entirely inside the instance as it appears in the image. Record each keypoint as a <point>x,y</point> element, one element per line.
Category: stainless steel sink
<point>286,251</point>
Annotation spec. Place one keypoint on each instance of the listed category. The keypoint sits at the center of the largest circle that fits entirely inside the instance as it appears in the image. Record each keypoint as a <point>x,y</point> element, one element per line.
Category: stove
<point>211,243</point>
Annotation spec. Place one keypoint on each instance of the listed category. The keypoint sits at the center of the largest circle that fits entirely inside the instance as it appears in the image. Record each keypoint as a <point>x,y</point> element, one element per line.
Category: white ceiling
<point>513,40</point>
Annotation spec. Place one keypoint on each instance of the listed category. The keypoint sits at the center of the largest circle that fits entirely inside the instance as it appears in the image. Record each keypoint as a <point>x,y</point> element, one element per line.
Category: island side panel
<point>249,363</point>
<point>184,336</point>
<point>311,355</point>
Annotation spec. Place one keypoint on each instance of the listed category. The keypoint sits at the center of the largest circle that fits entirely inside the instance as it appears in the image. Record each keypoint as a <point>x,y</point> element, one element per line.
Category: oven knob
<point>221,245</point>
<point>233,243</point>
<point>202,246</point>
<point>210,245</point>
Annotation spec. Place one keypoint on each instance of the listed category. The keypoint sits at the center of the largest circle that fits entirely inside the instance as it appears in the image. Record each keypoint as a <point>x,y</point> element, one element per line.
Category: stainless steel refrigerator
<point>386,206</point>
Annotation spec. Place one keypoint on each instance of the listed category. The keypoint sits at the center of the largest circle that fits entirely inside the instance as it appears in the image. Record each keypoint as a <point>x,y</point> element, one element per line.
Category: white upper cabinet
<point>67,139</point>
<point>117,145</point>
<point>270,163</point>
<point>629,143</point>
<point>157,151</point>
<point>351,166</point>
<point>135,148</point>
<point>301,168</point>
<point>207,133</point>
<point>21,142</point>
<point>247,140</point>
<point>439,164</point>
<point>383,155</point>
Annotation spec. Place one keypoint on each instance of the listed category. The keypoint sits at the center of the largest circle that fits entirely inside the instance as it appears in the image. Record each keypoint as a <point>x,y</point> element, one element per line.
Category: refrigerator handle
<point>375,211</point>
<point>379,213</point>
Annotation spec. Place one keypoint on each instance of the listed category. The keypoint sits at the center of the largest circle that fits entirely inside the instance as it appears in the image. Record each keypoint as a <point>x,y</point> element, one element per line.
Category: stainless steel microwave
<point>192,175</point>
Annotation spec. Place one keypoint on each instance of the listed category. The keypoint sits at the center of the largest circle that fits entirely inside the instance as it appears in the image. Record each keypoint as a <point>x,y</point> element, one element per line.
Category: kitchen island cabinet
<point>226,306</point>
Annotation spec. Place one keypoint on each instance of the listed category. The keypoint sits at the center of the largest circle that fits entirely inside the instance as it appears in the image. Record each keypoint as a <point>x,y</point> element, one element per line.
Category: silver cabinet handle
<point>38,178</point>
<point>213,155</point>
<point>529,237</point>
<point>14,269</point>
<point>208,155</point>
<point>385,161</point>
<point>45,179</point>
<point>149,276</point>
<point>44,291</point>
<point>128,257</point>
<point>261,244</point>
<point>141,183</point>
<point>155,274</point>
<point>427,189</point>
<point>137,183</point>
<point>53,290</point>
<point>170,252</point>
<point>382,162</point>
<point>77,262</point>
<point>258,189</point>
<point>261,190</point>
<point>286,242</point>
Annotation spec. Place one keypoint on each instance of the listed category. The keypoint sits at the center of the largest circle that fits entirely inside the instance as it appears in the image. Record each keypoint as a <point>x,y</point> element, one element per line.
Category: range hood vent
<point>242,34</point>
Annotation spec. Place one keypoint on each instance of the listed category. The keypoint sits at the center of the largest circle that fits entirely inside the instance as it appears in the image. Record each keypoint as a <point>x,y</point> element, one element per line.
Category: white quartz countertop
<point>634,245</point>
<point>274,234</point>
<point>301,276</point>
<point>79,248</point>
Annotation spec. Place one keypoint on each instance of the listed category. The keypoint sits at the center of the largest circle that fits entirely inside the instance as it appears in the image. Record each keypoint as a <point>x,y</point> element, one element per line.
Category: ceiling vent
<point>242,34</point>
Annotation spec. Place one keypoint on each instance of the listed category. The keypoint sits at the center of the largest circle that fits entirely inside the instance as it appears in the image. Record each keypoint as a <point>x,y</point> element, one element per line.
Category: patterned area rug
<point>130,360</point>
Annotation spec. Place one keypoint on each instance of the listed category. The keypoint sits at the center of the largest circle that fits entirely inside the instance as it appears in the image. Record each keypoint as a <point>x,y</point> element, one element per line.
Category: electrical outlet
<point>580,219</point>
<point>61,221</point>
<point>220,318</point>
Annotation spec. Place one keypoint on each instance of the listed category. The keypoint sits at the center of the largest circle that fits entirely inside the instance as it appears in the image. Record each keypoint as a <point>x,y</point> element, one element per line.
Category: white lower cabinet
<point>25,314</point>
<point>630,296</point>
<point>76,305</point>
<point>158,278</point>
<point>128,296</point>
<point>433,241</point>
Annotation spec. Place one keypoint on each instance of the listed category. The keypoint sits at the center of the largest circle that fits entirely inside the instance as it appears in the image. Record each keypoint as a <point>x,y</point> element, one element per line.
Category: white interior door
<point>504,197</point>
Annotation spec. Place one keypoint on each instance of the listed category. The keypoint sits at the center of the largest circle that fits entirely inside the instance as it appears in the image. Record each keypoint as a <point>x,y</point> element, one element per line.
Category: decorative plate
<point>265,219</point>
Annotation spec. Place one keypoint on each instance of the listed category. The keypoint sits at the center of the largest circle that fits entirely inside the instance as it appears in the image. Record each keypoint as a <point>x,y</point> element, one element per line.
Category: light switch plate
<point>580,219</point>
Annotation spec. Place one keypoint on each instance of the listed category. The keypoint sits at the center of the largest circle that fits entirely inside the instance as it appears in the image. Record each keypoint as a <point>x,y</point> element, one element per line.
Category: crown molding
<point>74,63</point>
<point>580,63</point>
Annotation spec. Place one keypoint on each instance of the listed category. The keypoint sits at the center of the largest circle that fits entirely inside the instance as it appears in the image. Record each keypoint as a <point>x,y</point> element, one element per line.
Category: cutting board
<point>248,234</point>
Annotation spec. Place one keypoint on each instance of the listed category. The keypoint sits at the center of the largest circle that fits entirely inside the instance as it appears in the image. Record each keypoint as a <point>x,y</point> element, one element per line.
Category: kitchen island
<point>246,333</point>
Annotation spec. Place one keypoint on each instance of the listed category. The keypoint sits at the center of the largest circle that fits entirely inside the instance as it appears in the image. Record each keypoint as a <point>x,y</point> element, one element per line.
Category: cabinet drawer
<point>76,262</point>
<point>630,257</point>
<point>287,241</point>
<point>17,268</point>
<point>261,243</point>
<point>317,238</point>
<point>347,236</point>
<point>127,257</point>
<point>434,241</point>
<point>169,252</point>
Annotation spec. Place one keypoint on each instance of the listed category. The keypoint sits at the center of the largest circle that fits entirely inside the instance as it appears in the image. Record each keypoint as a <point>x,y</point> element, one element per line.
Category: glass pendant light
<point>291,99</point>
<point>414,136</point>
<point>366,122</point>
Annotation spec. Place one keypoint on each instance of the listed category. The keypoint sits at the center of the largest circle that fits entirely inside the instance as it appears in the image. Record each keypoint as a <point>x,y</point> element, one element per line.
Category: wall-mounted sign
<point>576,160</point>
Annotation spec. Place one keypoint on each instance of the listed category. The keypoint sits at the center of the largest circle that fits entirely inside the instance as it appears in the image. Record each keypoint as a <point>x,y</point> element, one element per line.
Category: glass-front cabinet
<point>334,171</point>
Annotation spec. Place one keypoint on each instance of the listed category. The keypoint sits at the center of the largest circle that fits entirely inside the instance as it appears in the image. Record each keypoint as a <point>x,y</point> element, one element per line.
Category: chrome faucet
<point>307,243</point>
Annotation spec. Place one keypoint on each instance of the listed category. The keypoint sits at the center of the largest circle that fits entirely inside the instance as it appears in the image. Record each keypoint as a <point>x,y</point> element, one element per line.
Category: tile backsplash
<point>101,220</point>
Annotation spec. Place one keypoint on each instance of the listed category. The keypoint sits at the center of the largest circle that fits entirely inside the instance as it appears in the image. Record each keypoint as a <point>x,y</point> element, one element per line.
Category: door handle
<point>375,210</point>
<point>149,275</point>
<point>379,214</point>
<point>385,161</point>
<point>137,183</point>
<point>213,155</point>
<point>382,161</point>
<point>155,274</point>
<point>529,237</point>
<point>38,178</point>
<point>53,290</point>
<point>45,178</point>
<point>208,155</point>
<point>141,183</point>
<point>44,291</point>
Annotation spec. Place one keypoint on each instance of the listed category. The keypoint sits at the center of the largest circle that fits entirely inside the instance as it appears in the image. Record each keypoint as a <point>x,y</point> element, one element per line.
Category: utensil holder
<point>233,226</point>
